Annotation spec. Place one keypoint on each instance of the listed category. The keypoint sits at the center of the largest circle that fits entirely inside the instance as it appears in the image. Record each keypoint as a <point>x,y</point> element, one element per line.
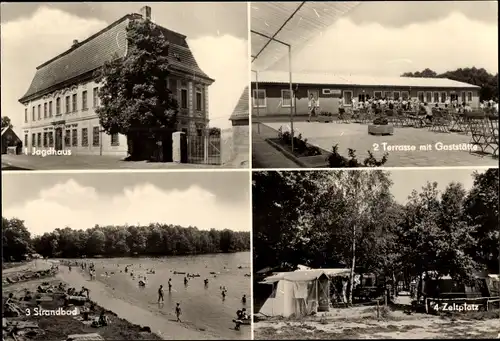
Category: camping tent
<point>300,292</point>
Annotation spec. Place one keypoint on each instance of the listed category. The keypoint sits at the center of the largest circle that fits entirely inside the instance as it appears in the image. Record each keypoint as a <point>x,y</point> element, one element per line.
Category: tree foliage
<point>474,76</point>
<point>115,241</point>
<point>325,219</point>
<point>6,122</point>
<point>135,97</point>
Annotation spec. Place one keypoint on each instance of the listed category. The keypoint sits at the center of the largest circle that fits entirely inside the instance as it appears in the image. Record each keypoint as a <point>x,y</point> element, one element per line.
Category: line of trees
<point>474,76</point>
<point>115,241</point>
<point>351,219</point>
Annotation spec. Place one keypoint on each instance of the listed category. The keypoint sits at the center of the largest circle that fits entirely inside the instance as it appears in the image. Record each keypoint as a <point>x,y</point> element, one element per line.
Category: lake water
<point>203,308</point>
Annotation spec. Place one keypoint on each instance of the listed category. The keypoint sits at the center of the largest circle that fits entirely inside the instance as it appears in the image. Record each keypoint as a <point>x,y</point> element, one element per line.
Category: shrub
<point>300,145</point>
<point>335,160</point>
<point>380,121</point>
<point>325,113</point>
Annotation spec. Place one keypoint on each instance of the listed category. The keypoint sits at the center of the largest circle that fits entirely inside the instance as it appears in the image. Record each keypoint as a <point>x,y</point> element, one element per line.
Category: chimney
<point>75,42</point>
<point>146,12</point>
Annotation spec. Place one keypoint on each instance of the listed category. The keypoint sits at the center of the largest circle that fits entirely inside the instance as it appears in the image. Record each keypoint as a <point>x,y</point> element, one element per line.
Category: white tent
<point>300,292</point>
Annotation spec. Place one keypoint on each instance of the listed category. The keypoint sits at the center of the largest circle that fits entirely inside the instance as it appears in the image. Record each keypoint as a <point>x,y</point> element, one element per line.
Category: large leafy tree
<point>16,239</point>
<point>6,122</point>
<point>135,99</point>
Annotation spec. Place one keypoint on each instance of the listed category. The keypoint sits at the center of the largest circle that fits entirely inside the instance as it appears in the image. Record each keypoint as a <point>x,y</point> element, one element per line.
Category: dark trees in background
<point>479,77</point>
<point>6,122</point>
<point>115,241</point>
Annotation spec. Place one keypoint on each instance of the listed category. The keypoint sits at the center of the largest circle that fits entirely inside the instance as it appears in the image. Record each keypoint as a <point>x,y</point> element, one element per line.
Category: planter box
<point>387,129</point>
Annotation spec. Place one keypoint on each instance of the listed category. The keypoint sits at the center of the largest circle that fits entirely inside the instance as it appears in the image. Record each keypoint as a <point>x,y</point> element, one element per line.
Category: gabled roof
<point>241,110</point>
<point>279,77</point>
<point>4,129</point>
<point>105,45</point>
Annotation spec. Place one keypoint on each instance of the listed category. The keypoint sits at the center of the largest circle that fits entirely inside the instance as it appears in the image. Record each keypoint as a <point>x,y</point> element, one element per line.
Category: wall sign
<point>334,92</point>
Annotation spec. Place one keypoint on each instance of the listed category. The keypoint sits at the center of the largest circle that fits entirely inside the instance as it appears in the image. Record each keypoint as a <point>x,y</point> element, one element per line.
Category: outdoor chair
<point>492,134</point>
<point>440,122</point>
<point>478,125</point>
<point>457,122</point>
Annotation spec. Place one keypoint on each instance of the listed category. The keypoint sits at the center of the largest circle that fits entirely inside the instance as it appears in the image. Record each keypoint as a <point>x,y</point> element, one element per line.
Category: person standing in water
<point>170,285</point>
<point>244,299</point>
<point>223,295</point>
<point>160,294</point>
<point>178,312</point>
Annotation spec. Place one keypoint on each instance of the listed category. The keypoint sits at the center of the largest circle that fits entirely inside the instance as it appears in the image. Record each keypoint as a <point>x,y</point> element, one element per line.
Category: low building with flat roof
<point>271,94</point>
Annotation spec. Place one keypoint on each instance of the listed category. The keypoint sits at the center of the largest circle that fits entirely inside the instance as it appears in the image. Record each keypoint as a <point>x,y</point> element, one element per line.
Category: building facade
<point>271,93</point>
<point>60,104</point>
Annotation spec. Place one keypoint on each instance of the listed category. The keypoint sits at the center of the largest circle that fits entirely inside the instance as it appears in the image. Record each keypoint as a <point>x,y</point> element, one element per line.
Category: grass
<point>59,327</point>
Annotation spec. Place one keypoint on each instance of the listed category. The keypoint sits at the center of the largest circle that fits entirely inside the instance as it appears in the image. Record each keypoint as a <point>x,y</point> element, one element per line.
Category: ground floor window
<point>436,97</point>
<point>405,95</point>
<point>33,140</point>
<point>469,96</point>
<point>347,96</point>
<point>85,137</point>
<point>420,96</point>
<point>39,139</point>
<point>428,97</point>
<point>45,139</point>
<point>396,95</point>
<point>67,138</point>
<point>377,94</point>
<point>115,141</point>
<point>95,137</point>
<point>443,97</point>
<point>51,139</point>
<point>25,140</point>
<point>259,98</point>
<point>453,97</point>
<point>362,97</point>
<point>74,138</point>
<point>388,94</point>
<point>286,98</point>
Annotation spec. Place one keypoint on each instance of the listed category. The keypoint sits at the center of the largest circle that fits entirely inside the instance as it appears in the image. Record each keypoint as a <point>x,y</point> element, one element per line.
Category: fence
<point>204,149</point>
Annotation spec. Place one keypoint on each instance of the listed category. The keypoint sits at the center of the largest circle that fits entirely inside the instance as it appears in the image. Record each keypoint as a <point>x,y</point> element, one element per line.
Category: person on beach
<point>86,291</point>
<point>178,312</point>
<point>160,294</point>
<point>185,281</point>
<point>170,285</point>
<point>206,282</point>
<point>223,295</point>
<point>244,299</point>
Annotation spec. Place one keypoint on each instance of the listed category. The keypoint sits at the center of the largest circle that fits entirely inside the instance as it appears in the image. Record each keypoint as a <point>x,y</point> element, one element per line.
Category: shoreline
<point>105,298</point>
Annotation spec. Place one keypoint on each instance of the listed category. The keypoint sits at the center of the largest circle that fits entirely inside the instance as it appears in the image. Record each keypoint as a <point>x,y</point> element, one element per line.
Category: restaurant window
<point>428,97</point>
<point>184,99</point>
<point>50,108</point>
<point>51,139</point>
<point>377,94</point>
<point>58,106</point>
<point>74,138</point>
<point>436,97</point>
<point>347,97</point>
<point>67,105</point>
<point>388,94</point>
<point>443,97</point>
<point>199,101</point>
<point>39,139</point>
<point>463,97</point>
<point>95,137</point>
<point>25,115</point>
<point>85,137</point>
<point>420,96</point>
<point>259,99</point>
<point>95,97</point>
<point>469,96</point>
<point>286,99</point>
<point>75,103</point>
<point>39,111</point>
<point>84,100</point>
<point>45,113</point>
<point>115,141</point>
<point>33,140</point>
<point>396,95</point>
<point>405,95</point>
<point>67,138</point>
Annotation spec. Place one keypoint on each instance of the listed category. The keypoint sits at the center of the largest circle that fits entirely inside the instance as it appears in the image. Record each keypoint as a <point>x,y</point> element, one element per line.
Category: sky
<point>405,181</point>
<point>392,37</point>
<point>46,201</point>
<point>33,33</point>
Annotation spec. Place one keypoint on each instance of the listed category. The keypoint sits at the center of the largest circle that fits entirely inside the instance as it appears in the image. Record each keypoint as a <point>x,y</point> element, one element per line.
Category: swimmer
<point>178,312</point>
<point>170,285</point>
<point>244,299</point>
<point>185,280</point>
<point>223,295</point>
<point>160,294</point>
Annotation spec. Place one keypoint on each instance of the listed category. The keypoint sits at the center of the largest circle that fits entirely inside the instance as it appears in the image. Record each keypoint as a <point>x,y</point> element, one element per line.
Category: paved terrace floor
<point>263,154</point>
<point>84,162</point>
<point>355,136</point>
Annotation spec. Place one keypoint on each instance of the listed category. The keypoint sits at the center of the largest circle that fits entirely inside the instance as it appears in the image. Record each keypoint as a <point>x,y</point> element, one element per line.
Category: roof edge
<point>353,84</point>
<point>107,28</point>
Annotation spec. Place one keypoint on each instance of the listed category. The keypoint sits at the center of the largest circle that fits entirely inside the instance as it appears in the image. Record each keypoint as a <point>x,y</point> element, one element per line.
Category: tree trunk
<point>353,264</point>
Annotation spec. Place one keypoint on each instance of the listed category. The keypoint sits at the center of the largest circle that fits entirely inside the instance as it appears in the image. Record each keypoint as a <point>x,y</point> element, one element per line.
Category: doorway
<point>58,139</point>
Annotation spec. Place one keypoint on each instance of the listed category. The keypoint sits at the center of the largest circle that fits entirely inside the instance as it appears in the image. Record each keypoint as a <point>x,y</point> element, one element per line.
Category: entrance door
<point>58,139</point>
